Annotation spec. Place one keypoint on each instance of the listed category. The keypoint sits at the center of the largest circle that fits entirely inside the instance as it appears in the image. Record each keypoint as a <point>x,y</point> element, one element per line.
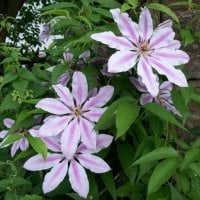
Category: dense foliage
<point>102,112</point>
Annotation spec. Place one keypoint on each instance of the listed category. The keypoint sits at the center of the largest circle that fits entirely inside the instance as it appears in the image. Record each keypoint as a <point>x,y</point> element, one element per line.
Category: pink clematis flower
<point>163,97</point>
<point>147,48</point>
<point>59,162</point>
<point>21,144</point>
<point>74,114</point>
<point>45,34</point>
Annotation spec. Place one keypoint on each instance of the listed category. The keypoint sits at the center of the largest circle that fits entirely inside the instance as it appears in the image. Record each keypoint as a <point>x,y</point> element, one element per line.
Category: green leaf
<point>38,145</point>
<point>124,190</point>
<point>26,74</point>
<point>59,12</point>
<point>163,113</point>
<point>183,181</point>
<point>108,117</point>
<point>4,183</point>
<point>157,154</point>
<point>125,7</point>
<point>195,167</point>
<point>126,114</point>
<point>31,197</point>
<point>109,183</point>
<point>9,77</point>
<point>59,6</point>
<point>133,3</point>
<point>126,156</point>
<point>187,36</point>
<point>20,85</point>
<point>164,9</point>
<point>18,181</point>
<point>175,195</point>
<point>11,138</point>
<point>190,156</point>
<point>108,4</point>
<point>161,174</point>
<point>102,12</point>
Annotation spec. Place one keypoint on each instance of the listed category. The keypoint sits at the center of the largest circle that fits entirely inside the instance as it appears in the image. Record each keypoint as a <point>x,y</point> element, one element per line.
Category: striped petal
<point>51,144</point>
<point>78,179</point>
<point>53,178</point>
<point>37,163</point>
<point>23,144</point>
<point>161,38</point>
<point>79,87</point>
<point>54,126</point>
<point>64,94</point>
<point>94,114</point>
<point>103,141</point>
<point>149,79</point>
<point>93,163</point>
<point>174,57</point>
<point>146,98</point>
<point>104,95</point>
<point>138,84</point>
<point>166,86</point>
<point>122,61</point>
<point>145,24</point>
<point>8,122</point>
<point>113,41</point>
<point>174,75</point>
<point>52,106</point>
<point>14,148</point>
<point>88,136</point>
<point>127,27</point>
<point>70,139</point>
<point>3,133</point>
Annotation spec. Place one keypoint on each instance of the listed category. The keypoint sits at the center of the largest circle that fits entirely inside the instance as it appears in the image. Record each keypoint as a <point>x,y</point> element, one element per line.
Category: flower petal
<point>79,87</point>
<point>113,41</point>
<point>172,108</point>
<point>51,144</point>
<point>52,106</point>
<point>103,141</point>
<point>174,57</point>
<point>23,144</point>
<point>70,139</point>
<point>3,133</point>
<point>37,163</point>
<point>53,178</point>
<point>8,122</point>
<point>122,61</point>
<point>94,114</point>
<point>64,94</point>
<point>174,44</point>
<point>146,98</point>
<point>174,75</point>
<point>161,38</point>
<point>78,179</point>
<point>145,24</point>
<point>127,27</point>
<point>14,148</point>
<point>54,126</point>
<point>93,163</point>
<point>104,95</point>
<point>149,79</point>
<point>138,84</point>
<point>165,24</point>
<point>88,136</point>
<point>166,86</point>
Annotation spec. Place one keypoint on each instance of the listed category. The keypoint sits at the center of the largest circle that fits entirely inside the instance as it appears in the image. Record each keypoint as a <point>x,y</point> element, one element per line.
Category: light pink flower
<point>59,162</point>
<point>21,144</point>
<point>45,34</point>
<point>74,114</point>
<point>163,97</point>
<point>148,49</point>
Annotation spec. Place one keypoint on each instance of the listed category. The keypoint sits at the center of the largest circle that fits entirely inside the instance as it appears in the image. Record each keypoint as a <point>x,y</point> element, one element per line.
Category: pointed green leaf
<point>125,116</point>
<point>163,113</point>
<point>161,174</point>
<point>38,145</point>
<point>157,154</point>
<point>11,138</point>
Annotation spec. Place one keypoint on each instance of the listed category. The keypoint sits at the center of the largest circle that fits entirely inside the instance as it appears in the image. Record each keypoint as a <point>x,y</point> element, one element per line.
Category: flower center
<point>77,111</point>
<point>143,48</point>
